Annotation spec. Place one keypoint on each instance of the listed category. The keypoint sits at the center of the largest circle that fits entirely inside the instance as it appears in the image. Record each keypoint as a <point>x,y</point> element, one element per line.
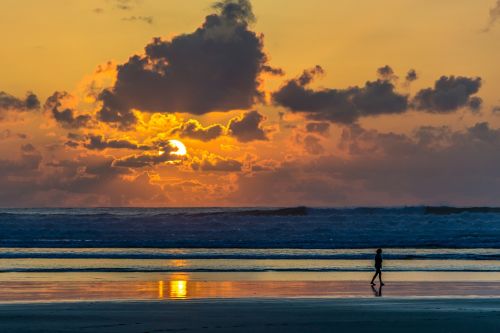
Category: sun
<point>180,148</point>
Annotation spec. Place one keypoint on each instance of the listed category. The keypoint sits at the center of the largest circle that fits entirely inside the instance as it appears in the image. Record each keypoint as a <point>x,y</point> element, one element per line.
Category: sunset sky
<point>278,103</point>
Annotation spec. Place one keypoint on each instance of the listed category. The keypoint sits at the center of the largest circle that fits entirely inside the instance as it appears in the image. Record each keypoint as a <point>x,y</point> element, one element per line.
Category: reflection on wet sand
<point>180,287</point>
<point>377,292</point>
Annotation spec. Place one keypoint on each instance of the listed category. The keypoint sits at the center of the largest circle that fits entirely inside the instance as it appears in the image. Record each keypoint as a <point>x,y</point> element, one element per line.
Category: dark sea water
<point>248,239</point>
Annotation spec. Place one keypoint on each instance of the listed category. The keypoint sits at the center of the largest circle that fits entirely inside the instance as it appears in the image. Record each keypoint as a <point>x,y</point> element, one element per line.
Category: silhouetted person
<point>378,267</point>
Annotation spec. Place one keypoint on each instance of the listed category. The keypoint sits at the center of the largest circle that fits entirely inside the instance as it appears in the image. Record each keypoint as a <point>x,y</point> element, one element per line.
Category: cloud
<point>318,127</point>
<point>66,117</point>
<point>340,105</point>
<point>434,165</point>
<point>28,162</point>
<point>313,146</point>
<point>98,142</point>
<point>124,4</point>
<point>90,180</point>
<point>72,144</point>
<point>346,106</point>
<point>164,154</point>
<point>12,103</point>
<point>8,134</point>
<point>144,160</point>
<point>247,127</point>
<point>215,68</point>
<point>449,94</point>
<point>494,15</point>
<point>194,130</point>
<point>213,163</point>
<point>411,76</point>
<point>145,19</point>
<point>114,111</point>
<point>387,73</point>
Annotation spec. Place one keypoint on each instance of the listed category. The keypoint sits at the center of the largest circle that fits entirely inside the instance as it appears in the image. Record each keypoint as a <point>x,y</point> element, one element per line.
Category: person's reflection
<point>377,293</point>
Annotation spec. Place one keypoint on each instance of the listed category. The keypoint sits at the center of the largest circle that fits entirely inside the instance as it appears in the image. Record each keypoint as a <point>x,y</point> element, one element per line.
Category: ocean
<point>248,239</point>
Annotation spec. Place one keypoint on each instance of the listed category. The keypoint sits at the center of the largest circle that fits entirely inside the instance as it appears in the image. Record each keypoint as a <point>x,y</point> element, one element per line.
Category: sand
<point>243,302</point>
<point>257,315</point>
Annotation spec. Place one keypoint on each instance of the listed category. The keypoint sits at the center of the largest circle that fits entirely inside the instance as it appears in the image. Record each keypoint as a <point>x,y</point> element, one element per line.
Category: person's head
<point>379,251</point>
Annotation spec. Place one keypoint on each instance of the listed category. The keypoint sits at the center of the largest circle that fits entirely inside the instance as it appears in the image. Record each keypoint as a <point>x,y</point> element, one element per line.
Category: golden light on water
<point>160,289</point>
<point>178,289</point>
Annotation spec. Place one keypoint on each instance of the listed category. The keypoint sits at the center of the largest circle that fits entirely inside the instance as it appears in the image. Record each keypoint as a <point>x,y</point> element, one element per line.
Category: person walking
<point>378,267</point>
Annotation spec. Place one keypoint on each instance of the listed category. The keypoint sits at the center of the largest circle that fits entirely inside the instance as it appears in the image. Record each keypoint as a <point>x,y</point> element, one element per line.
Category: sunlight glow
<point>180,147</point>
<point>178,289</point>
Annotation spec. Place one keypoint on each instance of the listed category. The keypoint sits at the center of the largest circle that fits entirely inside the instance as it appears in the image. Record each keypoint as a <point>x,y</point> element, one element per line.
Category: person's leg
<point>380,277</point>
<point>374,277</point>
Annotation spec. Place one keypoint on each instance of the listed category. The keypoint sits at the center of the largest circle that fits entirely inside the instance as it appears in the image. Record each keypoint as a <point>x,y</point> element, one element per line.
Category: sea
<point>299,239</point>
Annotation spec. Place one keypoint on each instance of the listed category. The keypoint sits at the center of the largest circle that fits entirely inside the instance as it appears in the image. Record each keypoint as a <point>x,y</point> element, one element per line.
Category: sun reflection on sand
<point>178,289</point>
<point>160,289</point>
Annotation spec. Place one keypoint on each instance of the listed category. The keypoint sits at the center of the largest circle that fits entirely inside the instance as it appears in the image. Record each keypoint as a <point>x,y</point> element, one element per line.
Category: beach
<point>257,315</point>
<point>180,270</point>
<point>249,302</point>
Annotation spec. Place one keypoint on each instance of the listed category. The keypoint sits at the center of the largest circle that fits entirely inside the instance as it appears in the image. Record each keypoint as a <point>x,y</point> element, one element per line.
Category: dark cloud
<point>95,180</point>
<point>124,4</point>
<point>247,127</point>
<point>216,164</point>
<point>358,141</point>
<point>98,142</point>
<point>475,103</point>
<point>9,102</point>
<point>145,160</point>
<point>28,162</point>
<point>145,19</point>
<point>87,180</point>
<point>75,136</point>
<point>150,159</point>
<point>215,68</point>
<point>114,111</point>
<point>8,134</point>
<point>484,133</point>
<point>194,130</point>
<point>433,137</point>
<point>449,94</point>
<point>313,145</point>
<point>340,105</point>
<point>320,128</point>
<point>386,73</point>
<point>28,148</point>
<point>435,165</point>
<point>411,76</point>
<point>66,117</point>
<point>346,106</point>
<point>72,144</point>
<point>494,15</point>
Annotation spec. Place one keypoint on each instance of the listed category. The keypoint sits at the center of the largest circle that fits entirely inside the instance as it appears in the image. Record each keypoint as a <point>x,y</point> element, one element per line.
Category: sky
<point>249,103</point>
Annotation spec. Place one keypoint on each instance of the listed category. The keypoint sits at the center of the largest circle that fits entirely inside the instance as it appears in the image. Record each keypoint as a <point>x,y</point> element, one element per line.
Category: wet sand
<point>257,315</point>
<point>249,302</point>
<point>64,287</point>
